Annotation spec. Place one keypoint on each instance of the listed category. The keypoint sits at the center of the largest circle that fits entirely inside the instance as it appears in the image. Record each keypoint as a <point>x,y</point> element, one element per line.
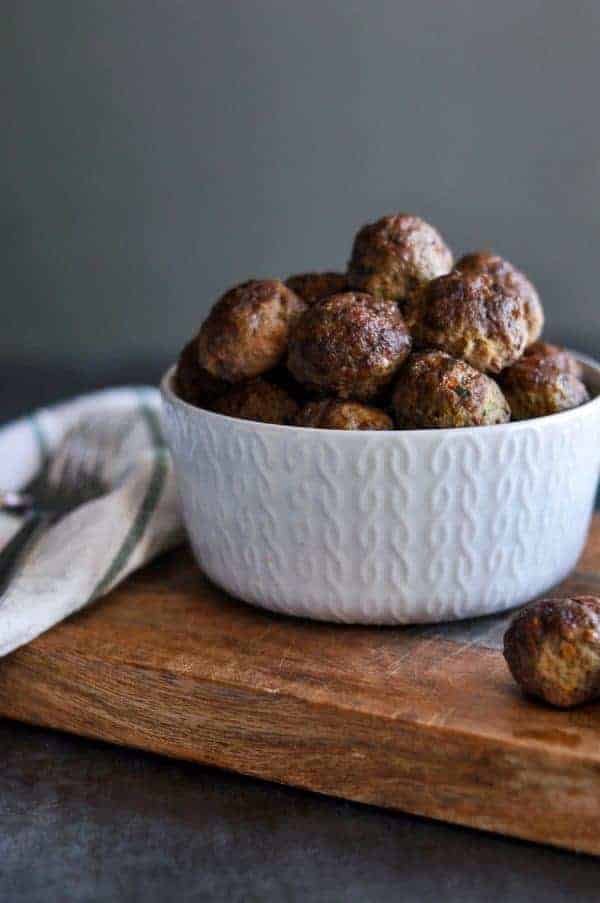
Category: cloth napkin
<point>92,549</point>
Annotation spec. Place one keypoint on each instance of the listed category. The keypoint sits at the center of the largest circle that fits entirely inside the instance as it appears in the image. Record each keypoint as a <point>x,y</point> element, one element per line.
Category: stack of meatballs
<point>405,339</point>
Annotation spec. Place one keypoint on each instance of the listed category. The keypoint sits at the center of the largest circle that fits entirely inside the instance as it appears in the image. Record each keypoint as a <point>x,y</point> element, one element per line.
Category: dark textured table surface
<point>88,822</point>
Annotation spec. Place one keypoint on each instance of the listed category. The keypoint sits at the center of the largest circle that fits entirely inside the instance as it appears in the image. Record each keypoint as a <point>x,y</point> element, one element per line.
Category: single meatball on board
<point>471,317</point>
<point>395,255</point>
<point>257,400</point>
<point>349,345</point>
<point>246,333</point>
<point>509,278</point>
<point>436,391</point>
<point>312,287</point>
<point>543,383</point>
<point>192,382</point>
<point>552,649</point>
<point>333,414</point>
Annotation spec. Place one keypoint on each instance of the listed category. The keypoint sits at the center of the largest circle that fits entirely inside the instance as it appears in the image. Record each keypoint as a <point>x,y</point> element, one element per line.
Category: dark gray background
<point>157,151</point>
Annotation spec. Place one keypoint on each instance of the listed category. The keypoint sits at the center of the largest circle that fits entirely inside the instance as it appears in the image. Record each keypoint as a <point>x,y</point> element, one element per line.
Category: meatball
<point>552,649</point>
<point>543,383</point>
<point>471,317</point>
<point>247,331</point>
<point>396,254</point>
<point>194,384</point>
<point>560,357</point>
<point>332,414</point>
<point>257,400</point>
<point>436,391</point>
<point>511,280</point>
<point>349,345</point>
<point>312,287</point>
<point>282,377</point>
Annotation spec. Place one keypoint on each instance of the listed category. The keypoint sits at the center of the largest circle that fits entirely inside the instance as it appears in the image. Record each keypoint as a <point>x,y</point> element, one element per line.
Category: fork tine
<point>95,453</point>
<point>63,478</point>
<point>83,469</point>
<point>69,476</point>
<point>76,471</point>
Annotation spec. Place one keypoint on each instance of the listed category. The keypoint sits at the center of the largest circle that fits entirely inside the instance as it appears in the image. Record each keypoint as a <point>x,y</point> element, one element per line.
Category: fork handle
<point>14,550</point>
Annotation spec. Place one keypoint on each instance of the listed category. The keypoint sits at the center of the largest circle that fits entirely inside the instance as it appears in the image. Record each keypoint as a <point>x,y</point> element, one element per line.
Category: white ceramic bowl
<point>386,527</point>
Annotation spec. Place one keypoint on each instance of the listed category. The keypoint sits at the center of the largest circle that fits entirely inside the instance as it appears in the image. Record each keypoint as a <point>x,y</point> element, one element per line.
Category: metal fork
<point>73,476</point>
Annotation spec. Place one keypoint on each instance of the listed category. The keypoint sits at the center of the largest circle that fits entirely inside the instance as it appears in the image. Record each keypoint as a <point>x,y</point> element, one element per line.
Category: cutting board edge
<point>353,741</point>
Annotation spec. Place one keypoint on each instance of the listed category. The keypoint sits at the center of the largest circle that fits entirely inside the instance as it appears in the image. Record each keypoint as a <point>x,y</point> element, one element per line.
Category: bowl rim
<point>591,366</point>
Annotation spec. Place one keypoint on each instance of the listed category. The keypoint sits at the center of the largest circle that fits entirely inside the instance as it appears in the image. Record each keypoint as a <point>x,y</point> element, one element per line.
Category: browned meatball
<point>540,384</point>
<point>552,649</point>
<point>312,287</point>
<point>436,391</point>
<point>560,357</point>
<point>257,400</point>
<point>470,317</point>
<point>332,414</point>
<point>394,255</point>
<point>192,382</point>
<point>282,377</point>
<point>512,280</point>
<point>349,345</point>
<point>247,331</point>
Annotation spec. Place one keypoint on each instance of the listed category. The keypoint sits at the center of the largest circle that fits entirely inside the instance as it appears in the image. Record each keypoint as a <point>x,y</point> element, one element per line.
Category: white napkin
<point>97,545</point>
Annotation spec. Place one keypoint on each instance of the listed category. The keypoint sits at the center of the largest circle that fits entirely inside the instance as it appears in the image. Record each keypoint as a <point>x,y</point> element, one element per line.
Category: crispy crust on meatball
<point>194,384</point>
<point>552,649</point>
<point>511,280</point>
<point>396,254</point>
<point>312,287</point>
<point>436,391</point>
<point>471,317</point>
<point>257,400</point>
<point>247,331</point>
<point>561,358</point>
<point>540,384</point>
<point>332,414</point>
<point>349,345</point>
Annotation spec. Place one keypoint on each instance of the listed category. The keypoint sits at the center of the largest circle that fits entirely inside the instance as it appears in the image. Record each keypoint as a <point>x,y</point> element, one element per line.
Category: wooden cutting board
<point>426,720</point>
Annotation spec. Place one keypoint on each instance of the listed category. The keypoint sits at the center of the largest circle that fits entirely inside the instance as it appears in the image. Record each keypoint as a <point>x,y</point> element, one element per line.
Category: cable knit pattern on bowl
<point>386,527</point>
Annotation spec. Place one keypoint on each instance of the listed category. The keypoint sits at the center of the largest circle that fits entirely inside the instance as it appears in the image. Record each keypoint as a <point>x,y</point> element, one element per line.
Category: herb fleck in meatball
<point>552,649</point>
<point>312,287</point>
<point>561,358</point>
<point>396,254</point>
<point>332,414</point>
<point>436,391</point>
<point>247,331</point>
<point>512,280</point>
<point>542,383</point>
<point>471,317</point>
<point>349,345</point>
<point>257,400</point>
<point>194,384</point>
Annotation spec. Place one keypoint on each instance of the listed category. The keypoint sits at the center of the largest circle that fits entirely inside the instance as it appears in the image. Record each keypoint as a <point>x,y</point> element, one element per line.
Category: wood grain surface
<point>424,720</point>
